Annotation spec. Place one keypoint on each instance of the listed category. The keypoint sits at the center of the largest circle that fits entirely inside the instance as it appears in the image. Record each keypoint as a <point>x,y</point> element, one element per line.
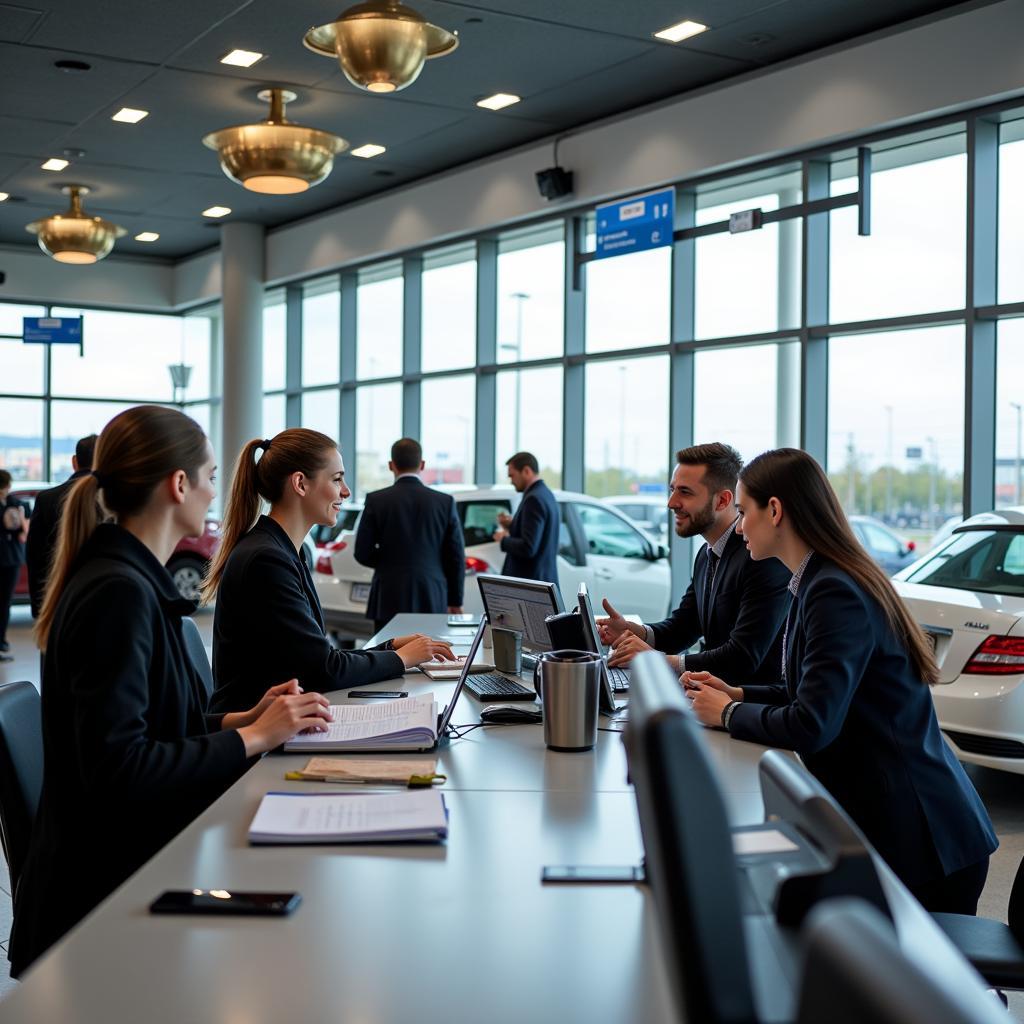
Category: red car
<point>187,564</point>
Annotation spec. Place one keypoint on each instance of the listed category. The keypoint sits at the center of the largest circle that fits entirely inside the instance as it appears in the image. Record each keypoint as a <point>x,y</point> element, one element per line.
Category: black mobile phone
<point>221,901</point>
<point>468,619</point>
<point>379,694</point>
<point>572,874</point>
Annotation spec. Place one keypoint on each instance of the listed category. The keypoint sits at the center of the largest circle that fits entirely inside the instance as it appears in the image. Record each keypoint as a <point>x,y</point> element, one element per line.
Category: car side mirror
<point>660,551</point>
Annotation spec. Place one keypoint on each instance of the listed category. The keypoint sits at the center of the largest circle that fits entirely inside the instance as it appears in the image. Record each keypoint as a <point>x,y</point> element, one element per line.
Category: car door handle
<point>604,574</point>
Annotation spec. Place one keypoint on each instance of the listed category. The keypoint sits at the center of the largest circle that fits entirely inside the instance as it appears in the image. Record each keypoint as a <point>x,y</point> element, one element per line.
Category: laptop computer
<point>613,680</point>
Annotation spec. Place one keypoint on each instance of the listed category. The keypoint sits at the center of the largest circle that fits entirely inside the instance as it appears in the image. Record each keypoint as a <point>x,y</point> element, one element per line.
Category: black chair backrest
<point>21,771</point>
<point>197,652</point>
<point>792,794</point>
<point>854,971</point>
<point>688,850</point>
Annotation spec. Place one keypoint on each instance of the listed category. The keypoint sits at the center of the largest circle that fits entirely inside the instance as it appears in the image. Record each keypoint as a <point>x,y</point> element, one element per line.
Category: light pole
<point>180,374</point>
<point>933,457</point>
<point>888,466</point>
<point>1016,478</point>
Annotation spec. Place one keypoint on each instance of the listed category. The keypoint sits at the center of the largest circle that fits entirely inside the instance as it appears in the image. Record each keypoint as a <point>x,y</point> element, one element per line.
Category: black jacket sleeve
<point>837,630</point>
<point>110,691</point>
<point>530,529</point>
<point>453,558</point>
<point>764,604</point>
<point>38,548</point>
<point>366,552</point>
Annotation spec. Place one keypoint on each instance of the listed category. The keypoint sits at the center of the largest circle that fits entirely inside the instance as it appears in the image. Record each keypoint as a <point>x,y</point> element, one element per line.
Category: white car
<point>968,595</point>
<point>597,544</point>
<point>649,511</point>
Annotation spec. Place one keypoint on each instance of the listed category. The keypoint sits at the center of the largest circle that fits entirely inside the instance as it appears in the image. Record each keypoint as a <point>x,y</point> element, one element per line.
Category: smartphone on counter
<point>222,901</point>
<point>568,874</point>
<point>378,694</point>
<point>464,620</point>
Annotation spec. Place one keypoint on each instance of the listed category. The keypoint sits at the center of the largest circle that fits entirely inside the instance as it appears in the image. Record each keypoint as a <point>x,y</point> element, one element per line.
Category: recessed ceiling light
<point>498,101</point>
<point>242,58</point>
<point>370,149</point>
<point>55,164</point>
<point>129,115</point>
<point>146,236</point>
<point>4,196</point>
<point>683,30</point>
<point>217,211</point>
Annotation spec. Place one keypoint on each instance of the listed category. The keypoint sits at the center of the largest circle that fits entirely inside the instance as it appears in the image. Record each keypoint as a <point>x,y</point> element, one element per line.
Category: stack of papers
<point>416,816</point>
<point>407,724</point>
<point>366,770</point>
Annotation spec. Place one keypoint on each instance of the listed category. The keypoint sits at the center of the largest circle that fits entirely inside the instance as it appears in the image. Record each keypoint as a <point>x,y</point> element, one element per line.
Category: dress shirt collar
<point>412,474</point>
<point>718,548</point>
<point>794,583</point>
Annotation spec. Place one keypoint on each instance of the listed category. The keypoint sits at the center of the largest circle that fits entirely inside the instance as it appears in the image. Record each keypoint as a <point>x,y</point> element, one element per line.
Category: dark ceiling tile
<point>32,137</point>
<point>17,23</point>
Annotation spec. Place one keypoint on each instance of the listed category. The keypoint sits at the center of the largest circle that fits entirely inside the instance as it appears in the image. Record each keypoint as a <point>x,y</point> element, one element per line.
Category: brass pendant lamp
<point>275,156</point>
<point>74,236</point>
<point>381,44</point>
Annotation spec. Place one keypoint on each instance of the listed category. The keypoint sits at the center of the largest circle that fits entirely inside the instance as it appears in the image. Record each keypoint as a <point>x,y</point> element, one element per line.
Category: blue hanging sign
<point>635,224</point>
<point>52,330</point>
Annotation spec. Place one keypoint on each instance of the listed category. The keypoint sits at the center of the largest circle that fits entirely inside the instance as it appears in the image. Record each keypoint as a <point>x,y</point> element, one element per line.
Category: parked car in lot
<point>968,595</point>
<point>597,544</point>
<point>649,512</point>
<point>883,544</point>
<point>187,564</point>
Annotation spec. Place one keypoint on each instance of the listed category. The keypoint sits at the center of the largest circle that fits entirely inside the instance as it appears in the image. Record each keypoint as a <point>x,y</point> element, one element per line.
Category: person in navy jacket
<point>268,623</point>
<point>530,537</point>
<point>410,535</point>
<point>853,699</point>
<point>130,754</point>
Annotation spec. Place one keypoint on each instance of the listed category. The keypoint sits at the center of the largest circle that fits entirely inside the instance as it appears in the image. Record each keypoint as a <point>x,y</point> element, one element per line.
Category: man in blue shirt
<point>530,537</point>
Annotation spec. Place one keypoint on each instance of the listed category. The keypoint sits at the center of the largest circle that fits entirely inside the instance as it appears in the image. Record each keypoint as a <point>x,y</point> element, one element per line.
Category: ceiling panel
<point>17,23</point>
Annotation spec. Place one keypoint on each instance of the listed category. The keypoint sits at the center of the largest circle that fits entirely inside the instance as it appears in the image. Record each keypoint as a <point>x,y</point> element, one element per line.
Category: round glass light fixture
<point>275,156</point>
<point>381,44</point>
<point>74,236</point>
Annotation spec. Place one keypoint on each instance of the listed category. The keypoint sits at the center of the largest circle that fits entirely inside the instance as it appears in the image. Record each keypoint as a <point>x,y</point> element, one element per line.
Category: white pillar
<point>241,251</point>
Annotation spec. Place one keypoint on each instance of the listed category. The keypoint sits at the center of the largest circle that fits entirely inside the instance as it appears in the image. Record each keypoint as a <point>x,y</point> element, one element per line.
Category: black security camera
<point>554,182</point>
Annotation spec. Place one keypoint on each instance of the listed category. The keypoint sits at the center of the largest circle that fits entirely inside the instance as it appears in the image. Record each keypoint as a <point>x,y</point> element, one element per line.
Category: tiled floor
<point>1003,795</point>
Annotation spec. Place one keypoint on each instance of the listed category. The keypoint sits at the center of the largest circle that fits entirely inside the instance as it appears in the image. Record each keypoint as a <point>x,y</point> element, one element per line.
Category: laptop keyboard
<point>495,687</point>
<point>619,678</point>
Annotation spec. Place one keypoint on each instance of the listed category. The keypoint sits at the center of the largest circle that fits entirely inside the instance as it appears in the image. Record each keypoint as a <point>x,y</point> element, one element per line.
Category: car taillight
<point>998,656</point>
<point>323,559</point>
<point>474,564</point>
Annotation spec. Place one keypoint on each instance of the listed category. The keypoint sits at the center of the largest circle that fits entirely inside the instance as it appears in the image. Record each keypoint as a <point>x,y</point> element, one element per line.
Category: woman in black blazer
<point>268,626</point>
<point>854,699</point>
<point>130,756</point>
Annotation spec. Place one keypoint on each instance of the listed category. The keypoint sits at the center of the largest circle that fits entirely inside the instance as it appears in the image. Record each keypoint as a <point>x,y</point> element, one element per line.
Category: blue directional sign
<point>52,330</point>
<point>635,224</point>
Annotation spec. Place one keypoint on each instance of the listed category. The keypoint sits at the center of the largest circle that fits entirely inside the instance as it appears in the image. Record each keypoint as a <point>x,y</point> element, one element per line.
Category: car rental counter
<point>461,931</point>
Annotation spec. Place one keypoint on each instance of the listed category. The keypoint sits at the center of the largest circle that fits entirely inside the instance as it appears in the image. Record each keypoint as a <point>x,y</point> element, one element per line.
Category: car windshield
<point>987,561</point>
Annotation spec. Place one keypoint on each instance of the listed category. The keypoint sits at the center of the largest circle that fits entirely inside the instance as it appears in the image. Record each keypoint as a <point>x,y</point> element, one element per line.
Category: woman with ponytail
<point>268,624</point>
<point>130,755</point>
<point>853,700</point>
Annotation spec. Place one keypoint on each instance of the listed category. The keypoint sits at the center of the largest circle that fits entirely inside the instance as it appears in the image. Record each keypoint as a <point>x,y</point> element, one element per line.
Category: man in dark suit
<point>410,535</point>
<point>530,537</point>
<point>735,606</point>
<point>42,535</point>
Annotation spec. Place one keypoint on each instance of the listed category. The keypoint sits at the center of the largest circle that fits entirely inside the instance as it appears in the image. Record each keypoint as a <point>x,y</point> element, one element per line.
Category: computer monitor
<point>522,605</point>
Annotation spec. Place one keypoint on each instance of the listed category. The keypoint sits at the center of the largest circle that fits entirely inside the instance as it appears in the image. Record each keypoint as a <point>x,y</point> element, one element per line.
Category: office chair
<point>197,653</point>
<point>689,859</point>
<point>995,950</point>
<point>21,772</point>
<point>855,971</point>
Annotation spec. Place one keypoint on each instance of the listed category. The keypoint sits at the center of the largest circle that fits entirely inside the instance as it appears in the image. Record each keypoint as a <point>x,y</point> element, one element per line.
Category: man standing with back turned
<point>410,535</point>
<point>734,605</point>
<point>530,537</point>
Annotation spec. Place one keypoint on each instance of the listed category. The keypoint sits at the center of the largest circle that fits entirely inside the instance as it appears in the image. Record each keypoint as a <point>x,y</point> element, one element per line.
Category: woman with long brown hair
<point>853,699</point>
<point>268,625</point>
<point>130,755</point>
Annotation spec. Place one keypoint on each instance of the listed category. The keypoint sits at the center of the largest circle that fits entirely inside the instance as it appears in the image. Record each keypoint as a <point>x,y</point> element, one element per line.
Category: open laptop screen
<point>522,605</point>
<point>446,715</point>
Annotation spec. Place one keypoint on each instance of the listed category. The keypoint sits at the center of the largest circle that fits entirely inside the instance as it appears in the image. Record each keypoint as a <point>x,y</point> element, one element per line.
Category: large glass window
<point>379,306</point>
<point>1010,414</point>
<point>628,300</point>
<point>1011,212</point>
<point>22,365</point>
<point>70,421</point>
<point>274,414</point>
<point>275,320</point>
<point>738,393</point>
<point>748,282</point>
<point>198,342</point>
<point>449,309</point>
<point>627,426</point>
<point>21,437</point>
<point>124,355</point>
<point>914,260</point>
<point>448,415</point>
<point>321,329</point>
<point>531,294</point>
<point>378,427</point>
<point>896,426</point>
<point>321,411</point>
<point>528,418</point>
